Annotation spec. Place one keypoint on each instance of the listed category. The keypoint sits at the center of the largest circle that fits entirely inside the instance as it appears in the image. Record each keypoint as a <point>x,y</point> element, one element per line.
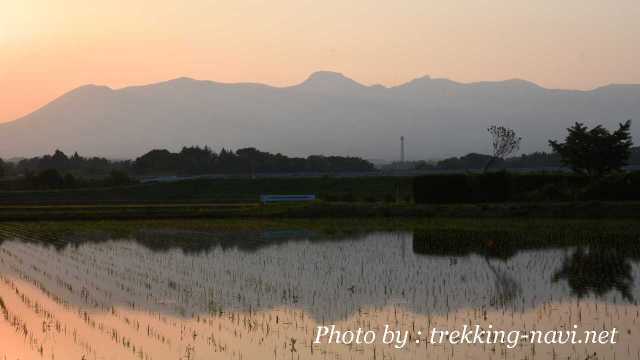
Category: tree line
<point>598,158</point>
<point>592,152</point>
<point>197,160</point>
<point>535,160</point>
<point>189,161</point>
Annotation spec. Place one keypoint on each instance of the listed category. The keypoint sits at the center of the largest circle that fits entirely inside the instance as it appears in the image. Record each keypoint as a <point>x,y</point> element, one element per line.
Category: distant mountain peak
<point>330,80</point>
<point>427,81</point>
<point>90,88</point>
<point>182,79</point>
<point>327,75</point>
<point>423,78</point>
<point>519,83</point>
<point>180,82</point>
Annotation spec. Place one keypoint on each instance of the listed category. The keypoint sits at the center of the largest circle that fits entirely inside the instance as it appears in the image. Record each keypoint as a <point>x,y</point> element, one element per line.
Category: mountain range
<point>326,114</point>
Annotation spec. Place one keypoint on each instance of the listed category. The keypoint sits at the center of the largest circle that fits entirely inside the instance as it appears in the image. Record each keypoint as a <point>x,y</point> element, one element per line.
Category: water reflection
<point>596,263</point>
<point>165,294</point>
<point>598,271</point>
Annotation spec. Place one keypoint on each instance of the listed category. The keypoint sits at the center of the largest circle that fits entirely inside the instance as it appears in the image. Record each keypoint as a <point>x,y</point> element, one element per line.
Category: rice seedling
<point>207,290</point>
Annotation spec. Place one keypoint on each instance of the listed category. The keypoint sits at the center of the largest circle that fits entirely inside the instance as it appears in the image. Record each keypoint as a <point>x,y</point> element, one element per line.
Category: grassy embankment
<point>320,210</point>
<point>336,225</point>
<point>237,198</point>
<point>216,191</point>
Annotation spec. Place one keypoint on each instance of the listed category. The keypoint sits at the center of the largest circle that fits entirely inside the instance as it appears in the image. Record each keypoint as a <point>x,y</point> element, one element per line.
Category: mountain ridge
<point>323,72</point>
<point>326,113</point>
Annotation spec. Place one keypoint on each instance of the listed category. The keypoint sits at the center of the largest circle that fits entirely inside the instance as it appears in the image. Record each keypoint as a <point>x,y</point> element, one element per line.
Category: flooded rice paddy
<point>180,294</point>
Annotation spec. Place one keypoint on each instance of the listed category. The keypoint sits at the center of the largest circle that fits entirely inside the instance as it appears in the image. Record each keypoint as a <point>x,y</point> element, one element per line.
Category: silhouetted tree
<point>195,160</point>
<point>595,152</point>
<point>504,142</point>
<point>75,163</point>
<point>49,178</point>
<point>118,178</point>
<point>192,160</point>
<point>156,161</point>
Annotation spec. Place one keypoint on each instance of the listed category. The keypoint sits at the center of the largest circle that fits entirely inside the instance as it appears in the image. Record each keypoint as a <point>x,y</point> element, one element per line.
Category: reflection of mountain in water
<point>331,277</point>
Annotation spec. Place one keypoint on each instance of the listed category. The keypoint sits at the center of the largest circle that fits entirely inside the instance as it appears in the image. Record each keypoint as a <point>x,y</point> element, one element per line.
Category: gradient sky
<point>48,47</point>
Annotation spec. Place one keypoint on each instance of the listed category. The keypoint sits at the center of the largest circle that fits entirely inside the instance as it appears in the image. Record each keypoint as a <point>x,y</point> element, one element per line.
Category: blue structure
<point>267,199</point>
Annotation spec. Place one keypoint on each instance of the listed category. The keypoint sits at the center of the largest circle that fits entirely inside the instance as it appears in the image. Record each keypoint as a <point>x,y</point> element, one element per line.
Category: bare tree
<point>504,141</point>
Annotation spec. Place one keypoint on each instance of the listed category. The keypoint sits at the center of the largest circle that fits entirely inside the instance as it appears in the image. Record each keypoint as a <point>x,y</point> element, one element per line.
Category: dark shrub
<point>524,183</point>
<point>118,178</point>
<point>549,192</point>
<point>490,187</point>
<point>328,197</point>
<point>502,186</point>
<point>70,181</point>
<point>48,179</point>
<point>441,189</point>
<point>546,186</point>
<point>348,197</point>
<point>618,187</point>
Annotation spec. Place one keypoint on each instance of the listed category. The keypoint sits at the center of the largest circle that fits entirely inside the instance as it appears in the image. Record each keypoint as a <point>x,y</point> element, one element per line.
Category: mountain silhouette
<point>328,113</point>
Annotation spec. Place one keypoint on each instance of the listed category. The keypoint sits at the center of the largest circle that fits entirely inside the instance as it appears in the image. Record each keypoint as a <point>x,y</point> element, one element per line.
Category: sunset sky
<point>48,47</point>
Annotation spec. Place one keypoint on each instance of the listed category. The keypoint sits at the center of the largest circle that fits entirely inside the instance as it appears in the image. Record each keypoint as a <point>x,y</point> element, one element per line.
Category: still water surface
<point>261,295</point>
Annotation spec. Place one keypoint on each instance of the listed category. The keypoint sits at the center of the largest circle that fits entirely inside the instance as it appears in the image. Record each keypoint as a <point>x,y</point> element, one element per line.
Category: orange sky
<point>48,47</point>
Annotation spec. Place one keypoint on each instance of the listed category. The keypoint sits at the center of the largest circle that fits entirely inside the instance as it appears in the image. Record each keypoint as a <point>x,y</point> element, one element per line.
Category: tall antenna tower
<point>402,149</point>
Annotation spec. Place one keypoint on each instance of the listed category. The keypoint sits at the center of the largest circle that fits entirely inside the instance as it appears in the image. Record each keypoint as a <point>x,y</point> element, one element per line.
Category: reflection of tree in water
<point>189,241</point>
<point>507,288</point>
<point>597,270</point>
<point>489,244</point>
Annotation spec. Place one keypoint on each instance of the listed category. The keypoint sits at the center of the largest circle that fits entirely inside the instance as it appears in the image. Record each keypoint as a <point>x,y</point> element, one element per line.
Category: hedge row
<point>503,186</point>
